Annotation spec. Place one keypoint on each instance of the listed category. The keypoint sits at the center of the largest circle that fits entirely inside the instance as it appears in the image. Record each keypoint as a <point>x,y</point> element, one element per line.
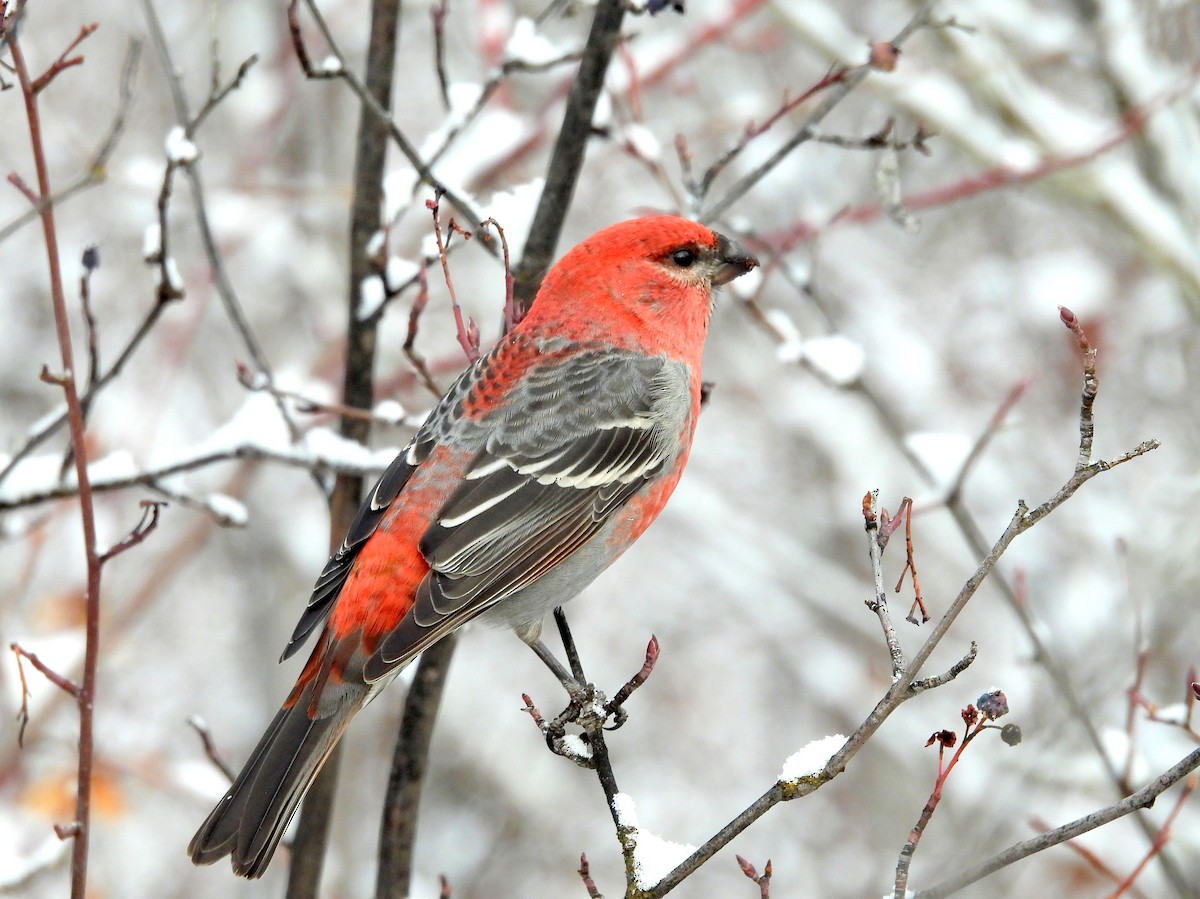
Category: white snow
<point>19,867</point>
<point>514,209</point>
<point>747,285</point>
<point>839,359</point>
<point>227,510</point>
<point>625,809</point>
<point>179,147</point>
<point>791,346</point>
<point>152,241</point>
<point>174,279</point>
<point>389,411</point>
<point>653,857</point>
<point>575,745</point>
<point>1176,712</point>
<point>602,115</point>
<point>398,187</point>
<point>527,46</point>
<point>463,95</point>
<point>332,447</point>
<point>116,466</point>
<point>256,423</point>
<point>399,272</point>
<point>942,451</point>
<point>375,244</point>
<point>371,297</point>
<point>812,758</point>
<point>643,142</point>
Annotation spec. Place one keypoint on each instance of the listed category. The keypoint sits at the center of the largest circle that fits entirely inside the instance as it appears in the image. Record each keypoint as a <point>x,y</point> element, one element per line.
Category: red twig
<point>763,881</point>
<point>623,694</point>
<point>992,429</point>
<point>998,177</point>
<point>975,722</point>
<point>150,510</point>
<point>210,747</point>
<point>63,683</point>
<point>752,131</point>
<point>1161,838</point>
<point>585,874</point>
<point>468,331</point>
<point>415,359</point>
<point>716,30</point>
<point>79,829</point>
<point>19,183</point>
<point>63,62</point>
<point>910,564</point>
<point>510,313</point>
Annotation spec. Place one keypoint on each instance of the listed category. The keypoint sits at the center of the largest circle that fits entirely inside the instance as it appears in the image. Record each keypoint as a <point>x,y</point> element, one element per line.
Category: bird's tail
<point>250,819</point>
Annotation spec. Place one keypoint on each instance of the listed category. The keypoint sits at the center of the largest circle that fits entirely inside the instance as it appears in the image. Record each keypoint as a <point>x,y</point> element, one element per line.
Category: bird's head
<point>648,282</point>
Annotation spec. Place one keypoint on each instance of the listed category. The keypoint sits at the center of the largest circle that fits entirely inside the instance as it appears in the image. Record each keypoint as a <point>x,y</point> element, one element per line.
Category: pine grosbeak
<point>547,458</point>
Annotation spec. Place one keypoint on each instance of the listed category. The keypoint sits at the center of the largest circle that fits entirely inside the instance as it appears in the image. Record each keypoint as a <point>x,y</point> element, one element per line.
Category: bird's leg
<point>569,683</point>
<point>531,635</point>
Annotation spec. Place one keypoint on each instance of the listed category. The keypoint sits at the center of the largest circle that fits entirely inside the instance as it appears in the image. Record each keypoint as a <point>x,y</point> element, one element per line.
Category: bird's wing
<point>565,450</point>
<point>440,421</point>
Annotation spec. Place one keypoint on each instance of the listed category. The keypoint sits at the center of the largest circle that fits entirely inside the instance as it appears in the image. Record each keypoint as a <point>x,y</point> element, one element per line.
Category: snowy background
<point>755,576</point>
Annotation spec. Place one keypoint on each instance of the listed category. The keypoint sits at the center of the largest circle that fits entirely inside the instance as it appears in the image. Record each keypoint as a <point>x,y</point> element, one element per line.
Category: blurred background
<point>1062,172</point>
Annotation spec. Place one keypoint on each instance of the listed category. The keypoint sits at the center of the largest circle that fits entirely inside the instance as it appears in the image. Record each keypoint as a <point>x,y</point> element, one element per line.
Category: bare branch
<point>1143,798</point>
<point>833,97</point>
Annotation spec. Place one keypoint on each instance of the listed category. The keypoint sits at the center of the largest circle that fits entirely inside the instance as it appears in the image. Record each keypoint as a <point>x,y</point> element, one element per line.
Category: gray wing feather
<point>543,485</point>
<point>440,421</point>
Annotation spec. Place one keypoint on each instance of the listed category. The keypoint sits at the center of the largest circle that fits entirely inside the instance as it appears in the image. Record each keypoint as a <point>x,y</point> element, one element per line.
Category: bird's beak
<point>735,261</point>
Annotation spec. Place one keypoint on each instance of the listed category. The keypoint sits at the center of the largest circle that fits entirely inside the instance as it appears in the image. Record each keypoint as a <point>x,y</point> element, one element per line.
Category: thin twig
<point>1143,798</point>
<point>369,102</point>
<point>566,160</point>
<point>63,683</point>
<point>96,170</point>
<point>150,510</point>
<point>467,331</point>
<point>1087,424</point>
<point>905,685</point>
<point>510,312</point>
<point>64,61</point>
<point>80,828</point>
<point>977,448</point>
<point>585,874</point>
<point>1160,839</point>
<point>198,724</point>
<point>833,97</point>
<point>438,14</point>
<point>878,602</point>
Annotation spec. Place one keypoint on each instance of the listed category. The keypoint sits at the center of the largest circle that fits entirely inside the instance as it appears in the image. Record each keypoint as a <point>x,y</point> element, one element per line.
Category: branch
<point>80,828</point>
<point>837,92</point>
<point>566,160</point>
<point>398,832</point>
<point>96,171</point>
<point>905,685</point>
<point>1143,798</point>
<point>379,110</point>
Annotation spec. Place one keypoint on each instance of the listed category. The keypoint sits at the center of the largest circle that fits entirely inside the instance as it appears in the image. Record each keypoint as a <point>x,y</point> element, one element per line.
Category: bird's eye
<point>684,257</point>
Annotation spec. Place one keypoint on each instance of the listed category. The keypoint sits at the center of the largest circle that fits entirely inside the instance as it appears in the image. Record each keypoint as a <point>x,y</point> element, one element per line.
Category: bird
<point>545,460</point>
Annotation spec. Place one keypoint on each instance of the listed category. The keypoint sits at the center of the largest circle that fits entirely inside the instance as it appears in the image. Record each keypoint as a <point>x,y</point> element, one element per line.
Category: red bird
<point>547,458</point>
